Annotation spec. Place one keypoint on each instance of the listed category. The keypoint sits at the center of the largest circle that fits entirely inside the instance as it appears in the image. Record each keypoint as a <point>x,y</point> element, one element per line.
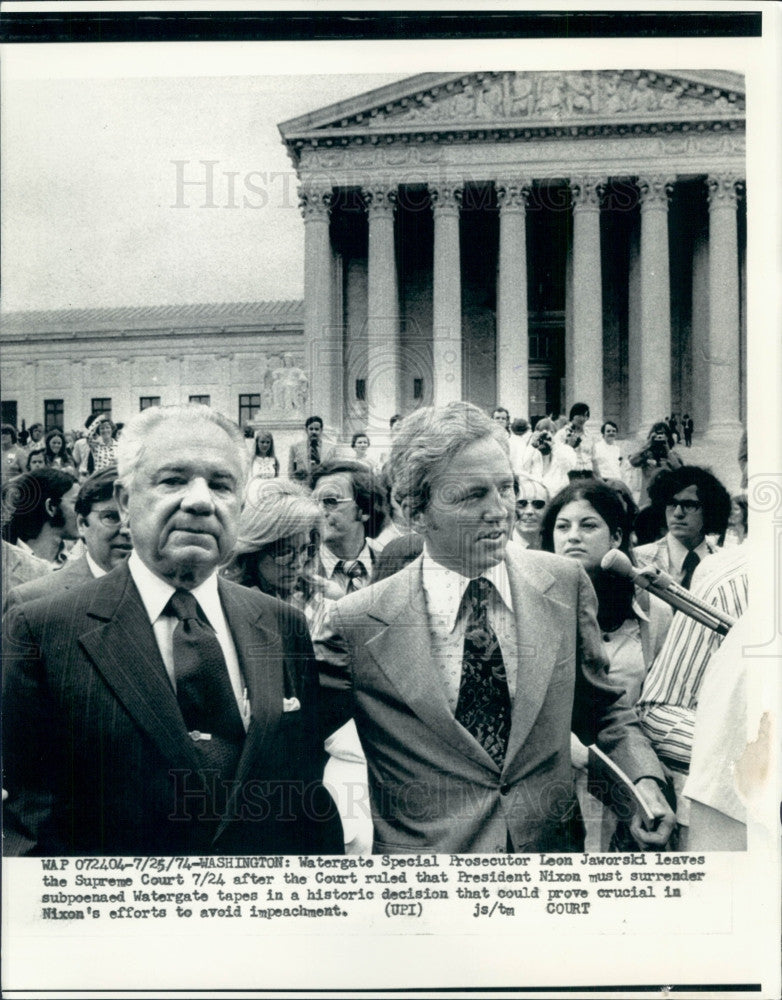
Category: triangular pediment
<point>508,99</point>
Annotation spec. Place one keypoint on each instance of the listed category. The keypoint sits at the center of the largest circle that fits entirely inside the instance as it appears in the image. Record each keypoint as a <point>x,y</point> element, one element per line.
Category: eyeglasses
<point>287,555</point>
<point>537,504</point>
<point>331,503</point>
<point>686,505</point>
<point>109,518</point>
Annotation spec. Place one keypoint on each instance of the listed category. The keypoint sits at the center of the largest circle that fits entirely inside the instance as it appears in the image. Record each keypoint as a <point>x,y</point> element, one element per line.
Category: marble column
<point>653,346</point>
<point>721,362</point>
<point>383,348</point>
<point>512,307</point>
<point>322,345</point>
<point>587,329</point>
<point>447,294</point>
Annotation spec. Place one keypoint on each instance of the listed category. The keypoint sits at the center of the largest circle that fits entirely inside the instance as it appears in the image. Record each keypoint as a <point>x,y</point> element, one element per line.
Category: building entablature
<point>523,106</point>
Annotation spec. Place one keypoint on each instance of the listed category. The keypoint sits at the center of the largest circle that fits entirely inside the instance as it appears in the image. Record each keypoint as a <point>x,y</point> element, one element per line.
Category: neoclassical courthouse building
<point>525,238</point>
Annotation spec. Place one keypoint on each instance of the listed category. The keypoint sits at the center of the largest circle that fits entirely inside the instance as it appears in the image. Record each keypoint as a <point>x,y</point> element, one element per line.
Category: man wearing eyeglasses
<point>106,541</point>
<point>353,514</point>
<point>692,503</point>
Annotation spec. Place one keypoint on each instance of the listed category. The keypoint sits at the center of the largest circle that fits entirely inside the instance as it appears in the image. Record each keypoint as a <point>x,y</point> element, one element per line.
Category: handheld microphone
<point>665,587</point>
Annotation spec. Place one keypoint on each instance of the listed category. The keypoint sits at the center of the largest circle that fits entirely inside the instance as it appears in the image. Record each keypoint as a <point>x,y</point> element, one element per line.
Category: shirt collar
<point>95,569</point>
<point>330,561</point>
<point>678,552</point>
<point>444,588</point>
<point>155,592</point>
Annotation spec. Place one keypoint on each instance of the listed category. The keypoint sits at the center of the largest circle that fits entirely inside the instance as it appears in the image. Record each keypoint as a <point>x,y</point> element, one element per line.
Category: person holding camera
<point>574,434</point>
<point>547,459</point>
<point>658,453</point>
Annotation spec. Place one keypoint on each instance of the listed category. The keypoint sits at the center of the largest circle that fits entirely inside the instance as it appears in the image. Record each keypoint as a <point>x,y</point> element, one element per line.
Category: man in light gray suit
<point>106,539</point>
<point>466,670</point>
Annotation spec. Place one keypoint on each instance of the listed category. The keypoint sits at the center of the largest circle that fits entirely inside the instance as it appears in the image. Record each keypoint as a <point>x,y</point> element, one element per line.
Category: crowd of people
<point>414,650</point>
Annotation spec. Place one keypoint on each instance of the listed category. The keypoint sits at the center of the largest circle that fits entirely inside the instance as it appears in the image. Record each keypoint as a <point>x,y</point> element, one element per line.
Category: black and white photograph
<point>390,450</point>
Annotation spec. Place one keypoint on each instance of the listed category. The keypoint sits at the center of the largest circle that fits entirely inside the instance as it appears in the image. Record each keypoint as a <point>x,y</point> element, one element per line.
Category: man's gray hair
<point>130,447</point>
<point>426,443</point>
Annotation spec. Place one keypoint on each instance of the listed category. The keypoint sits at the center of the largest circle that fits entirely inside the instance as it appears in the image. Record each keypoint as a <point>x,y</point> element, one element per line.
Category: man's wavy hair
<point>426,443</point>
<point>367,490</point>
<point>711,493</point>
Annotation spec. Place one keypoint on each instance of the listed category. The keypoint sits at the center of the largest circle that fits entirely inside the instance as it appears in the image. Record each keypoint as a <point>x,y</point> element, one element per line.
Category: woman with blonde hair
<point>278,535</point>
<point>265,463</point>
<point>531,500</point>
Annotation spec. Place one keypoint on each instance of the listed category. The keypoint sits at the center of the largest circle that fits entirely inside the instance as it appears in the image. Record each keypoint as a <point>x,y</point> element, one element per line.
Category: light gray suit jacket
<point>20,567</point>
<point>432,785</point>
<point>73,574</point>
<point>658,554</point>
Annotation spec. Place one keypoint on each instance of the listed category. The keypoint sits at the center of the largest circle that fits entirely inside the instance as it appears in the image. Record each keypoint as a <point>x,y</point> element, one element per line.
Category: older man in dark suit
<point>466,670</point>
<point>159,709</point>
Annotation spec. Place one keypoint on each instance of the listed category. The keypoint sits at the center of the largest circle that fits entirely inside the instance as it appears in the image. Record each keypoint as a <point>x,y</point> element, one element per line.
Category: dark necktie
<point>691,560</point>
<point>203,688</point>
<point>314,451</point>
<point>483,707</point>
<point>356,574</point>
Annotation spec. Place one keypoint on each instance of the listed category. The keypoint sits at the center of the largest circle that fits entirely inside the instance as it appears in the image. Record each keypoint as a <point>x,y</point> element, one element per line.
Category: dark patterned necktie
<point>203,688</point>
<point>356,574</point>
<point>483,707</point>
<point>314,451</point>
<point>691,560</point>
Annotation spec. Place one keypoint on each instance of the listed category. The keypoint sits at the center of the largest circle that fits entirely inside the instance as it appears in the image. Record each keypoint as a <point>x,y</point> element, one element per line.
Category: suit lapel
<point>259,648</point>
<point>403,651</point>
<point>539,622</point>
<point>119,640</point>
<point>258,645</point>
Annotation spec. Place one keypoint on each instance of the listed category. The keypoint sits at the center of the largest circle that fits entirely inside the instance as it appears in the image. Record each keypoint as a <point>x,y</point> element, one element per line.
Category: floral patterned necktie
<point>484,706</point>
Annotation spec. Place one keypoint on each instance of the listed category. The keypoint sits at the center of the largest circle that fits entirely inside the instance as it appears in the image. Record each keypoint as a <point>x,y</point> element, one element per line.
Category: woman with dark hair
<point>658,453</point>
<point>13,456</point>
<point>265,463</point>
<point>585,521</point>
<point>57,454</point>
<point>360,444</point>
<point>102,446</point>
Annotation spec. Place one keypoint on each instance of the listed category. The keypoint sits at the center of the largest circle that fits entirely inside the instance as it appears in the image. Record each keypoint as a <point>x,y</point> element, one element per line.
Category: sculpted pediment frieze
<point>553,97</point>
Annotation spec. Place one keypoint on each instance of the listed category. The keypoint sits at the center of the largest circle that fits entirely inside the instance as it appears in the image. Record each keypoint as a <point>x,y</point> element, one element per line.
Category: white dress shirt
<point>677,553</point>
<point>155,594</point>
<point>95,569</point>
<point>443,591</point>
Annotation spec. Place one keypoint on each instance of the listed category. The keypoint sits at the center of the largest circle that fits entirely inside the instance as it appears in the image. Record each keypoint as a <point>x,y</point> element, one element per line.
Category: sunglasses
<point>331,503</point>
<point>537,504</point>
<point>686,505</point>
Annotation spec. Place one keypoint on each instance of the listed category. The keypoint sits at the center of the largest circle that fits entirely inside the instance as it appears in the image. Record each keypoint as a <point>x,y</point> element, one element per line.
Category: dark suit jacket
<point>432,785</point>
<point>96,754</point>
<point>74,573</point>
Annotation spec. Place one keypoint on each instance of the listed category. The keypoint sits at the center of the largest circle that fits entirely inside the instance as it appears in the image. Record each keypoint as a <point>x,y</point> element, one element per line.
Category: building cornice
<point>518,106</point>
